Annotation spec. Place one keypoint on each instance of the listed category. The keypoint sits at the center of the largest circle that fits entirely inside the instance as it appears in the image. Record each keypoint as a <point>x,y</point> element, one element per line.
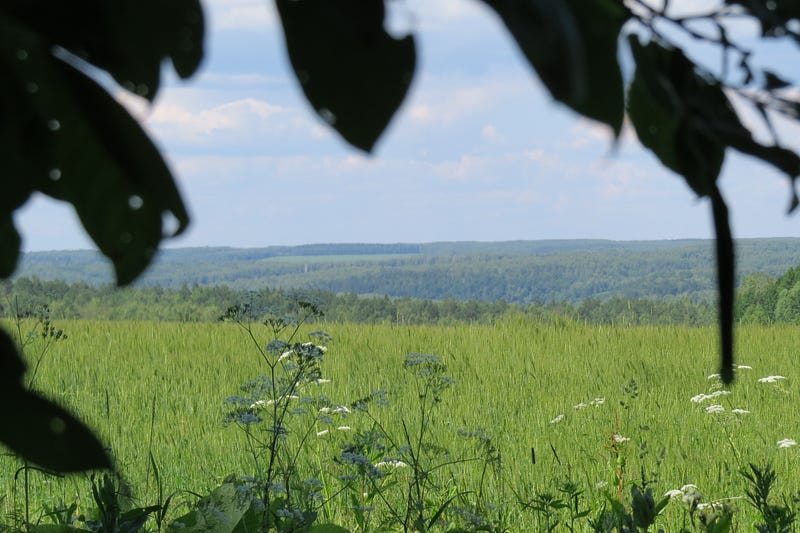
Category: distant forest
<point>524,273</point>
<point>762,299</point>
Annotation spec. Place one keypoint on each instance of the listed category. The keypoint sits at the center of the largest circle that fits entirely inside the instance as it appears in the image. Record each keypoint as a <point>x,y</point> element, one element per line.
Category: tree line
<point>762,299</point>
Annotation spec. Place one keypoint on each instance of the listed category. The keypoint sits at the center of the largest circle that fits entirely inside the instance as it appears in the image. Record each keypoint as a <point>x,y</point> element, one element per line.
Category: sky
<point>478,151</point>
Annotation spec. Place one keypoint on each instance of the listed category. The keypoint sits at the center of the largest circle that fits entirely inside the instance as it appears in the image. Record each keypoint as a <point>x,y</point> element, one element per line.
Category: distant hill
<point>514,271</point>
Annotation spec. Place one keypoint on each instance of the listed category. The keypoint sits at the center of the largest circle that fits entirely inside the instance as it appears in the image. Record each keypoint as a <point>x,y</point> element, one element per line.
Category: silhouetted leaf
<point>96,157</point>
<point>573,47</point>
<point>726,270</point>
<point>9,246</point>
<point>687,122</point>
<point>773,81</point>
<point>772,14</point>
<point>353,73</point>
<point>665,106</point>
<point>128,38</point>
<point>37,429</point>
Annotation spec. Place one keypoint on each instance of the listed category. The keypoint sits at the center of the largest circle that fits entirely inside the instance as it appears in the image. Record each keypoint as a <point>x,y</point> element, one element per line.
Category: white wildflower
<point>700,398</point>
<point>674,493</point>
<point>341,409</point>
<point>557,419</point>
<point>343,428</point>
<point>258,403</point>
<point>786,443</point>
<point>688,486</point>
<point>744,367</point>
<point>321,433</point>
<point>320,381</point>
<point>619,439</point>
<point>714,376</point>
<point>771,379</point>
<point>392,463</point>
<point>285,355</point>
<point>579,406</point>
<point>740,411</point>
<point>715,408</point>
<point>597,402</point>
<point>601,484</point>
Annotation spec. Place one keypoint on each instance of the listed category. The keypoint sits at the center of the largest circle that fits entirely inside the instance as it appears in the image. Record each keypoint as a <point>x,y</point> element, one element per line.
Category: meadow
<point>557,404</point>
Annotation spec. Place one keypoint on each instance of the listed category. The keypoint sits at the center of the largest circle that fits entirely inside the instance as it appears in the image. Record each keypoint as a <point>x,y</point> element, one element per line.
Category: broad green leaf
<point>688,121</point>
<point>572,45</point>
<point>354,74</point>
<point>221,511</point>
<point>97,158</point>
<point>37,429</point>
<point>128,38</point>
<point>664,102</point>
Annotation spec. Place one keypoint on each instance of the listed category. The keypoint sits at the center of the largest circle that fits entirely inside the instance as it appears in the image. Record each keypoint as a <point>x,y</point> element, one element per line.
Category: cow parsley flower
<point>786,443</point>
<point>619,439</point>
<point>771,379</point>
<point>557,419</point>
<point>715,408</point>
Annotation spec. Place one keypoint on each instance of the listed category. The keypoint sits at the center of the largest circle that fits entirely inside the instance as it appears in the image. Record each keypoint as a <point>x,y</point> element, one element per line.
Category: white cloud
<point>241,14</point>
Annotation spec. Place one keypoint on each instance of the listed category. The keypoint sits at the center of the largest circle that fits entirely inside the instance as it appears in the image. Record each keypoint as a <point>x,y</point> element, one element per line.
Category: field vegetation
<point>547,422</point>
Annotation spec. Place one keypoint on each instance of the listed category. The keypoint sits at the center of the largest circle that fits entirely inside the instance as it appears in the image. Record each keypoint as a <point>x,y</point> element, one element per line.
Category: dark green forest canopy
<point>522,272</point>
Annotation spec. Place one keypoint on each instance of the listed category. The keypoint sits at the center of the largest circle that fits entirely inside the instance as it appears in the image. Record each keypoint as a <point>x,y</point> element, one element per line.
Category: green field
<point>160,386</point>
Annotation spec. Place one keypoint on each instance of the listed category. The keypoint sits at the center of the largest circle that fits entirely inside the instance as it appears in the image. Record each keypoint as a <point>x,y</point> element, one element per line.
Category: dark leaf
<point>726,268</point>
<point>128,38</point>
<point>772,81</point>
<point>772,14</point>
<point>38,430</point>
<point>573,47</point>
<point>98,157</point>
<point>664,106</point>
<point>9,246</point>
<point>352,71</point>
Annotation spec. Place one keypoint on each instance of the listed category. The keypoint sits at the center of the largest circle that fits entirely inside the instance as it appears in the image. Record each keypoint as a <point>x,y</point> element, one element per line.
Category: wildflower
<point>700,398</point>
<point>601,484</point>
<point>393,463</point>
<point>557,419</point>
<point>744,367</point>
<point>771,379</point>
<point>597,402</point>
<point>691,496</point>
<point>740,411</point>
<point>714,376</point>
<point>579,406</point>
<point>715,408</point>
<point>787,443</point>
<point>343,428</point>
<point>320,381</point>
<point>619,439</point>
<point>673,493</point>
<point>285,355</point>
<point>321,433</point>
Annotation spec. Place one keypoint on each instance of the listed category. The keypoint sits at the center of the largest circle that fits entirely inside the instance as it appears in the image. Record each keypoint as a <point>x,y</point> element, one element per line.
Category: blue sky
<point>479,151</point>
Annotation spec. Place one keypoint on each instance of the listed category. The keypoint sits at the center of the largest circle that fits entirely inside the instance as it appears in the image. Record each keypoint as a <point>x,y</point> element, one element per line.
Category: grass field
<point>160,387</point>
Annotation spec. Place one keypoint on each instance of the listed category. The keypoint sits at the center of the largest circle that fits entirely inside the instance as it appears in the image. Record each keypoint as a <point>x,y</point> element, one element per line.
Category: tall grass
<point>159,387</point>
